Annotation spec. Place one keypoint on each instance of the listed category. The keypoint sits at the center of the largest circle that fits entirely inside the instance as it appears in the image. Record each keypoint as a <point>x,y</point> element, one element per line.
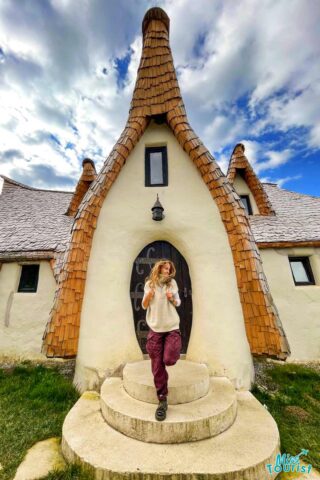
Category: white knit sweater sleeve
<point>146,291</point>
<point>175,292</point>
<point>177,299</point>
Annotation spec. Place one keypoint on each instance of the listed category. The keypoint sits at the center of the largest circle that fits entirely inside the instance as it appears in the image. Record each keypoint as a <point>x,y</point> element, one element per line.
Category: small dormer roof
<point>239,163</point>
<point>87,177</point>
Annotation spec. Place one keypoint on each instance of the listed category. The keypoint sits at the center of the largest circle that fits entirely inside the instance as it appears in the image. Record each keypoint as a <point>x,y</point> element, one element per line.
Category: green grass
<point>34,401</point>
<point>72,472</point>
<point>293,399</point>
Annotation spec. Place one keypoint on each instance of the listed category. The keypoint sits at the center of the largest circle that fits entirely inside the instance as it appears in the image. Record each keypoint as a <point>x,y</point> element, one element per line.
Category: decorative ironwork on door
<point>141,269</point>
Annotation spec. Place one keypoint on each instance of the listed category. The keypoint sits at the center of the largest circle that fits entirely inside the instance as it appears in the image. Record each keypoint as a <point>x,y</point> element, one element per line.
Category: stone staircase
<point>211,430</point>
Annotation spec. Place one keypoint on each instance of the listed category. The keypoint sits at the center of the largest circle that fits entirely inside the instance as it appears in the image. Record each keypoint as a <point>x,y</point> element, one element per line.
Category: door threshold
<point>182,356</point>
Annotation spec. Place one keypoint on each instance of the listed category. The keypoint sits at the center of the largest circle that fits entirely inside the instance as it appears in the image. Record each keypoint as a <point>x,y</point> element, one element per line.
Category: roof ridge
<point>28,187</point>
<point>299,193</point>
<point>317,197</point>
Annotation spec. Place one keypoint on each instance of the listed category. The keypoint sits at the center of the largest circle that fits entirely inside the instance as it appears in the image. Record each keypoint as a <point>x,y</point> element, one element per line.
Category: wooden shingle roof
<point>239,162</point>
<point>285,218</point>
<point>157,92</point>
<point>88,175</point>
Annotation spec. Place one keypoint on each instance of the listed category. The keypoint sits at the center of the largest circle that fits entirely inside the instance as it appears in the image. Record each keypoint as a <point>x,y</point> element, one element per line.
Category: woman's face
<point>165,269</point>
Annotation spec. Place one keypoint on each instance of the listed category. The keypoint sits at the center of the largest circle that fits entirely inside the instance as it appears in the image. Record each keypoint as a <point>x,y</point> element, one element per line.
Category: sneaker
<point>161,410</point>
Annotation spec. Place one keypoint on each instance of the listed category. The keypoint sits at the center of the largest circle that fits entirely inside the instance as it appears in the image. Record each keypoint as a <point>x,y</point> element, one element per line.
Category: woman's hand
<point>148,298</point>
<point>151,294</point>
<point>170,297</point>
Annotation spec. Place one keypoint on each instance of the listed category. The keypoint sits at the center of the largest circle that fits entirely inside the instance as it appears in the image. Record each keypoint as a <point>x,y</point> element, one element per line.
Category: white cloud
<point>58,78</point>
<point>275,159</point>
<point>298,110</point>
<point>259,155</point>
<point>250,54</point>
<point>59,83</point>
<point>253,151</point>
<point>280,181</point>
<point>223,130</point>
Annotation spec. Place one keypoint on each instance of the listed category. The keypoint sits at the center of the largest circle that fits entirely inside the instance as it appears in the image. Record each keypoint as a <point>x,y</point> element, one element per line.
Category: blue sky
<point>248,72</point>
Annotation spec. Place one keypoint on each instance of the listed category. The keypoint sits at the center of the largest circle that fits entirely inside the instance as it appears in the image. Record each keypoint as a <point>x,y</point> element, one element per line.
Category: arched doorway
<point>141,269</point>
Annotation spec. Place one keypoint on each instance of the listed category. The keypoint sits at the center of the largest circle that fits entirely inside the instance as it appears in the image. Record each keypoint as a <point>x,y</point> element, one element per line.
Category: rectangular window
<point>29,278</point>
<point>156,167</point>
<point>301,271</point>
<point>246,203</point>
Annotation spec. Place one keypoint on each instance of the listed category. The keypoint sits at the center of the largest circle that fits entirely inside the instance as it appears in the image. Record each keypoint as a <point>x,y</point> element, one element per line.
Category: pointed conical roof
<point>157,92</point>
<point>239,162</point>
<point>88,175</point>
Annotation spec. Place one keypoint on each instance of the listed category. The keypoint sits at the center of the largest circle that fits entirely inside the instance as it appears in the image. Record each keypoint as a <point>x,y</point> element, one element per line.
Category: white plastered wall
<point>298,306</point>
<point>23,315</point>
<point>241,187</point>
<point>193,225</point>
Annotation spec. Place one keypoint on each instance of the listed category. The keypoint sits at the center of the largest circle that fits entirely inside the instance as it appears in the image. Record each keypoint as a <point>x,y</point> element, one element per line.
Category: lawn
<point>292,395</point>
<point>34,401</point>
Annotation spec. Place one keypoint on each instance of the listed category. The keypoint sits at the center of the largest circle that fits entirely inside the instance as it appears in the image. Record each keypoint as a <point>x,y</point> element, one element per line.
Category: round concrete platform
<point>187,422</point>
<point>188,381</point>
<point>241,452</point>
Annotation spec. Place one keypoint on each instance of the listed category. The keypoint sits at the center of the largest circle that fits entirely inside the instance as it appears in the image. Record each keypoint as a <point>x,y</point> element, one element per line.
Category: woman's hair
<point>155,272</point>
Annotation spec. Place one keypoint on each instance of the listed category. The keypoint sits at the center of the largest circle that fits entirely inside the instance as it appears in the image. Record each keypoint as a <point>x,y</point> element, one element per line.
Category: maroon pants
<point>164,349</point>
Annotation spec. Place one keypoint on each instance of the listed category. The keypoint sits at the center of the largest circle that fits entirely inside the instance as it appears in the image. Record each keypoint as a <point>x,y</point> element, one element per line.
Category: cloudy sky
<point>249,71</point>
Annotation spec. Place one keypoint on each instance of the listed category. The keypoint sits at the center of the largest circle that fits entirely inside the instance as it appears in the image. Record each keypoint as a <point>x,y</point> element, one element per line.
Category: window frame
<point>307,267</point>
<point>148,151</point>
<point>249,212</point>
<point>34,288</point>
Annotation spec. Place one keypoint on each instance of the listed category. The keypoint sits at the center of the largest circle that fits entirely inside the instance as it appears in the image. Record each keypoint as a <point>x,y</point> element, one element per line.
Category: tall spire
<point>156,90</point>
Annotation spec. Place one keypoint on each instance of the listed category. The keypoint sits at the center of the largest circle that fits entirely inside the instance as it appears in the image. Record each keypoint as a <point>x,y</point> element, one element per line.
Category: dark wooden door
<point>141,269</point>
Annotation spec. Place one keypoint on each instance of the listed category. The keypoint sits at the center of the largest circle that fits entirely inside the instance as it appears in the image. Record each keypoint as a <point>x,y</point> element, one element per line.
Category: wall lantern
<point>157,210</point>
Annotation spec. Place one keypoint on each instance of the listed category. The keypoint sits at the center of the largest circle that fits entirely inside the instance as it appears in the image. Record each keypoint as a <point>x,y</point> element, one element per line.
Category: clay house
<point>73,265</point>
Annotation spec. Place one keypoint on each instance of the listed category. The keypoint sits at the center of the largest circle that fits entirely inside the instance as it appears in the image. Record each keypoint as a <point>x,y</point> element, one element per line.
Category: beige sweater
<point>161,313</point>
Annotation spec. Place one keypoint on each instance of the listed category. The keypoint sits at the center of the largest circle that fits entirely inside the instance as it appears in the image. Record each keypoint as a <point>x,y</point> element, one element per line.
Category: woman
<point>160,299</point>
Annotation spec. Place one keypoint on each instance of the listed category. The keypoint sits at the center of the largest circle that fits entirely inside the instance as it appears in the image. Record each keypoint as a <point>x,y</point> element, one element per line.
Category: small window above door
<point>156,167</point>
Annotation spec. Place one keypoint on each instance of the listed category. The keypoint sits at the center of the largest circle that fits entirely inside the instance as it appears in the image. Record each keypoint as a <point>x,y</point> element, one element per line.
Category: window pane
<point>299,273</point>
<point>244,200</point>
<point>29,278</point>
<point>156,173</point>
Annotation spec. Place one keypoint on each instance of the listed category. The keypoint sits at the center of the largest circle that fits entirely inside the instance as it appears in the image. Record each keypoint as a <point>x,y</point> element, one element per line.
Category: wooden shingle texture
<point>157,92</point>
<point>88,175</point>
<point>239,161</point>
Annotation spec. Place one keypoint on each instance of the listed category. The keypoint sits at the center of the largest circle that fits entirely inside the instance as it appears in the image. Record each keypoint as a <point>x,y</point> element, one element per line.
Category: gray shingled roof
<point>33,219</point>
<point>297,217</point>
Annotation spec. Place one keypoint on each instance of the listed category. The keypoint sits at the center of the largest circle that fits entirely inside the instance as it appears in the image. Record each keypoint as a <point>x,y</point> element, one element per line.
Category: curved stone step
<point>186,422</point>
<point>188,381</point>
<point>241,452</point>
